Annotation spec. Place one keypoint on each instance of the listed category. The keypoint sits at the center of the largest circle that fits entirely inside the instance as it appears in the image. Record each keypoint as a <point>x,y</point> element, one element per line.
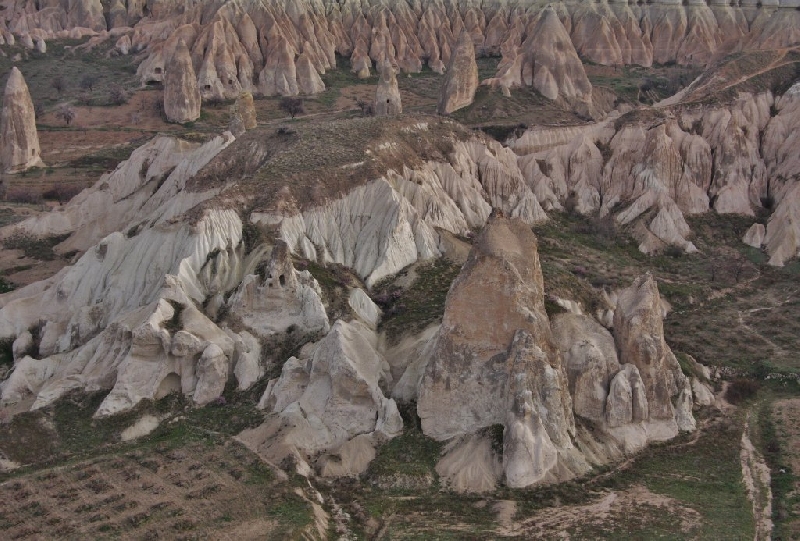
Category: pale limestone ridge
<point>181,95</point>
<point>461,79</point>
<point>19,142</point>
<point>396,216</point>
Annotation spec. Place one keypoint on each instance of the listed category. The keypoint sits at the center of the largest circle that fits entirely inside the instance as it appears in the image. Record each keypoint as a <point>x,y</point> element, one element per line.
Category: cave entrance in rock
<point>170,384</point>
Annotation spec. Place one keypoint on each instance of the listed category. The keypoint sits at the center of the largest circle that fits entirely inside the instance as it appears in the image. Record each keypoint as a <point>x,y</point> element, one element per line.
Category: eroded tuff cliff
<point>174,292</point>
<point>686,156</point>
<point>505,363</point>
<point>276,47</point>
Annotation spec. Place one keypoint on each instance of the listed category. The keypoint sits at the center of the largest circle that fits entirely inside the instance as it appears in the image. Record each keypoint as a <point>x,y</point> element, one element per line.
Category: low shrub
<point>741,389</point>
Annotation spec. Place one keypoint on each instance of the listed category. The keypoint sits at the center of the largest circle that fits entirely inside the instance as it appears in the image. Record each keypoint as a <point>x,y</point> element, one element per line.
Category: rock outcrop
<point>329,403</point>
<point>556,387</point>
<point>501,367</point>
<point>246,108</point>
<point>461,79</point>
<point>19,142</point>
<point>546,60</point>
<point>387,96</point>
<point>652,171</point>
<point>639,334</point>
<point>181,95</point>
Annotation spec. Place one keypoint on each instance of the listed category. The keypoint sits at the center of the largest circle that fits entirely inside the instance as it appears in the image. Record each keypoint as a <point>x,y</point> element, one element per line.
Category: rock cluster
<point>200,302</point>
<point>19,142</point>
<point>271,48</point>
<point>544,380</point>
<point>543,56</point>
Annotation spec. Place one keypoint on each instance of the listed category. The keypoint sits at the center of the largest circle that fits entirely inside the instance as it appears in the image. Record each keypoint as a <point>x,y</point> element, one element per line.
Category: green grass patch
<point>411,454</point>
<point>40,248</point>
<point>40,70</point>
<point>705,476</point>
<point>410,310</point>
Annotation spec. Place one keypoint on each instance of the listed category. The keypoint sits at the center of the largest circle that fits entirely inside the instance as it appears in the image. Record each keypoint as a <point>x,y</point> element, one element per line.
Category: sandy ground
<point>613,506</point>
<point>756,476</point>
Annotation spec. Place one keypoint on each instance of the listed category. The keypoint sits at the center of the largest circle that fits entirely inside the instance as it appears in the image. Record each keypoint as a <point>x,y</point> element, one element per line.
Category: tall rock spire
<point>387,97</point>
<point>461,81</point>
<point>181,95</point>
<point>19,142</point>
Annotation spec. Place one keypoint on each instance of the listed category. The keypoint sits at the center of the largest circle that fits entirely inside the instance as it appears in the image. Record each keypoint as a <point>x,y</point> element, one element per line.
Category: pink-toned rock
<point>181,95</point>
<point>461,80</point>
<point>19,142</point>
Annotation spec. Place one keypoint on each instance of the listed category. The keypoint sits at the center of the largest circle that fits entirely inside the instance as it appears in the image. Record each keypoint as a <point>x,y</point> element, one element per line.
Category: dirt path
<point>756,477</point>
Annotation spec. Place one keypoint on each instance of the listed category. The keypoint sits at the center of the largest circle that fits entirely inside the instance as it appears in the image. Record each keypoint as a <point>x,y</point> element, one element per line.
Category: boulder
<point>627,400</point>
<point>590,360</point>
<point>19,142</point>
<point>755,235</point>
<point>703,396</point>
<point>321,403</point>
<point>23,345</point>
<point>212,375</point>
<point>461,79</point>
<point>181,95</point>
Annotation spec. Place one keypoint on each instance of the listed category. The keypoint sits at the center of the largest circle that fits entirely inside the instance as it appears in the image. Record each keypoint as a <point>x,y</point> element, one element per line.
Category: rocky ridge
<point>159,302</point>
<point>278,48</point>
<point>683,159</point>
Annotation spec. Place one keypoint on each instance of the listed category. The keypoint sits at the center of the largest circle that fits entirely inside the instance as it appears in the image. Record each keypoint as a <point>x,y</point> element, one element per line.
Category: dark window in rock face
<point>158,70</point>
<point>282,280</point>
<point>208,87</point>
<point>33,152</point>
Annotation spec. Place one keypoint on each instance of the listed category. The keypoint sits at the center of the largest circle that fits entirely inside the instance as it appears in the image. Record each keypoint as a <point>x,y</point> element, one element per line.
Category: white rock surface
<point>321,403</point>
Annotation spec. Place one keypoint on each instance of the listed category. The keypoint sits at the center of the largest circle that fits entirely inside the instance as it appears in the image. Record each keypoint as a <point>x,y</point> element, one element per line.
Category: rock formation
<point>181,95</point>
<point>461,79</point>
<point>245,107</point>
<point>329,401</point>
<point>639,334</point>
<point>387,96</point>
<point>545,60</point>
<point>233,43</point>
<point>19,142</point>
<point>506,363</point>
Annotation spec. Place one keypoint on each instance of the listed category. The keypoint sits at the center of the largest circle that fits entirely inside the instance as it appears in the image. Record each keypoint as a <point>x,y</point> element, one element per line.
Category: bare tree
<point>367,107</point>
<point>66,113</point>
<point>59,84</point>
<point>88,82</point>
<point>117,95</point>
<point>293,106</point>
